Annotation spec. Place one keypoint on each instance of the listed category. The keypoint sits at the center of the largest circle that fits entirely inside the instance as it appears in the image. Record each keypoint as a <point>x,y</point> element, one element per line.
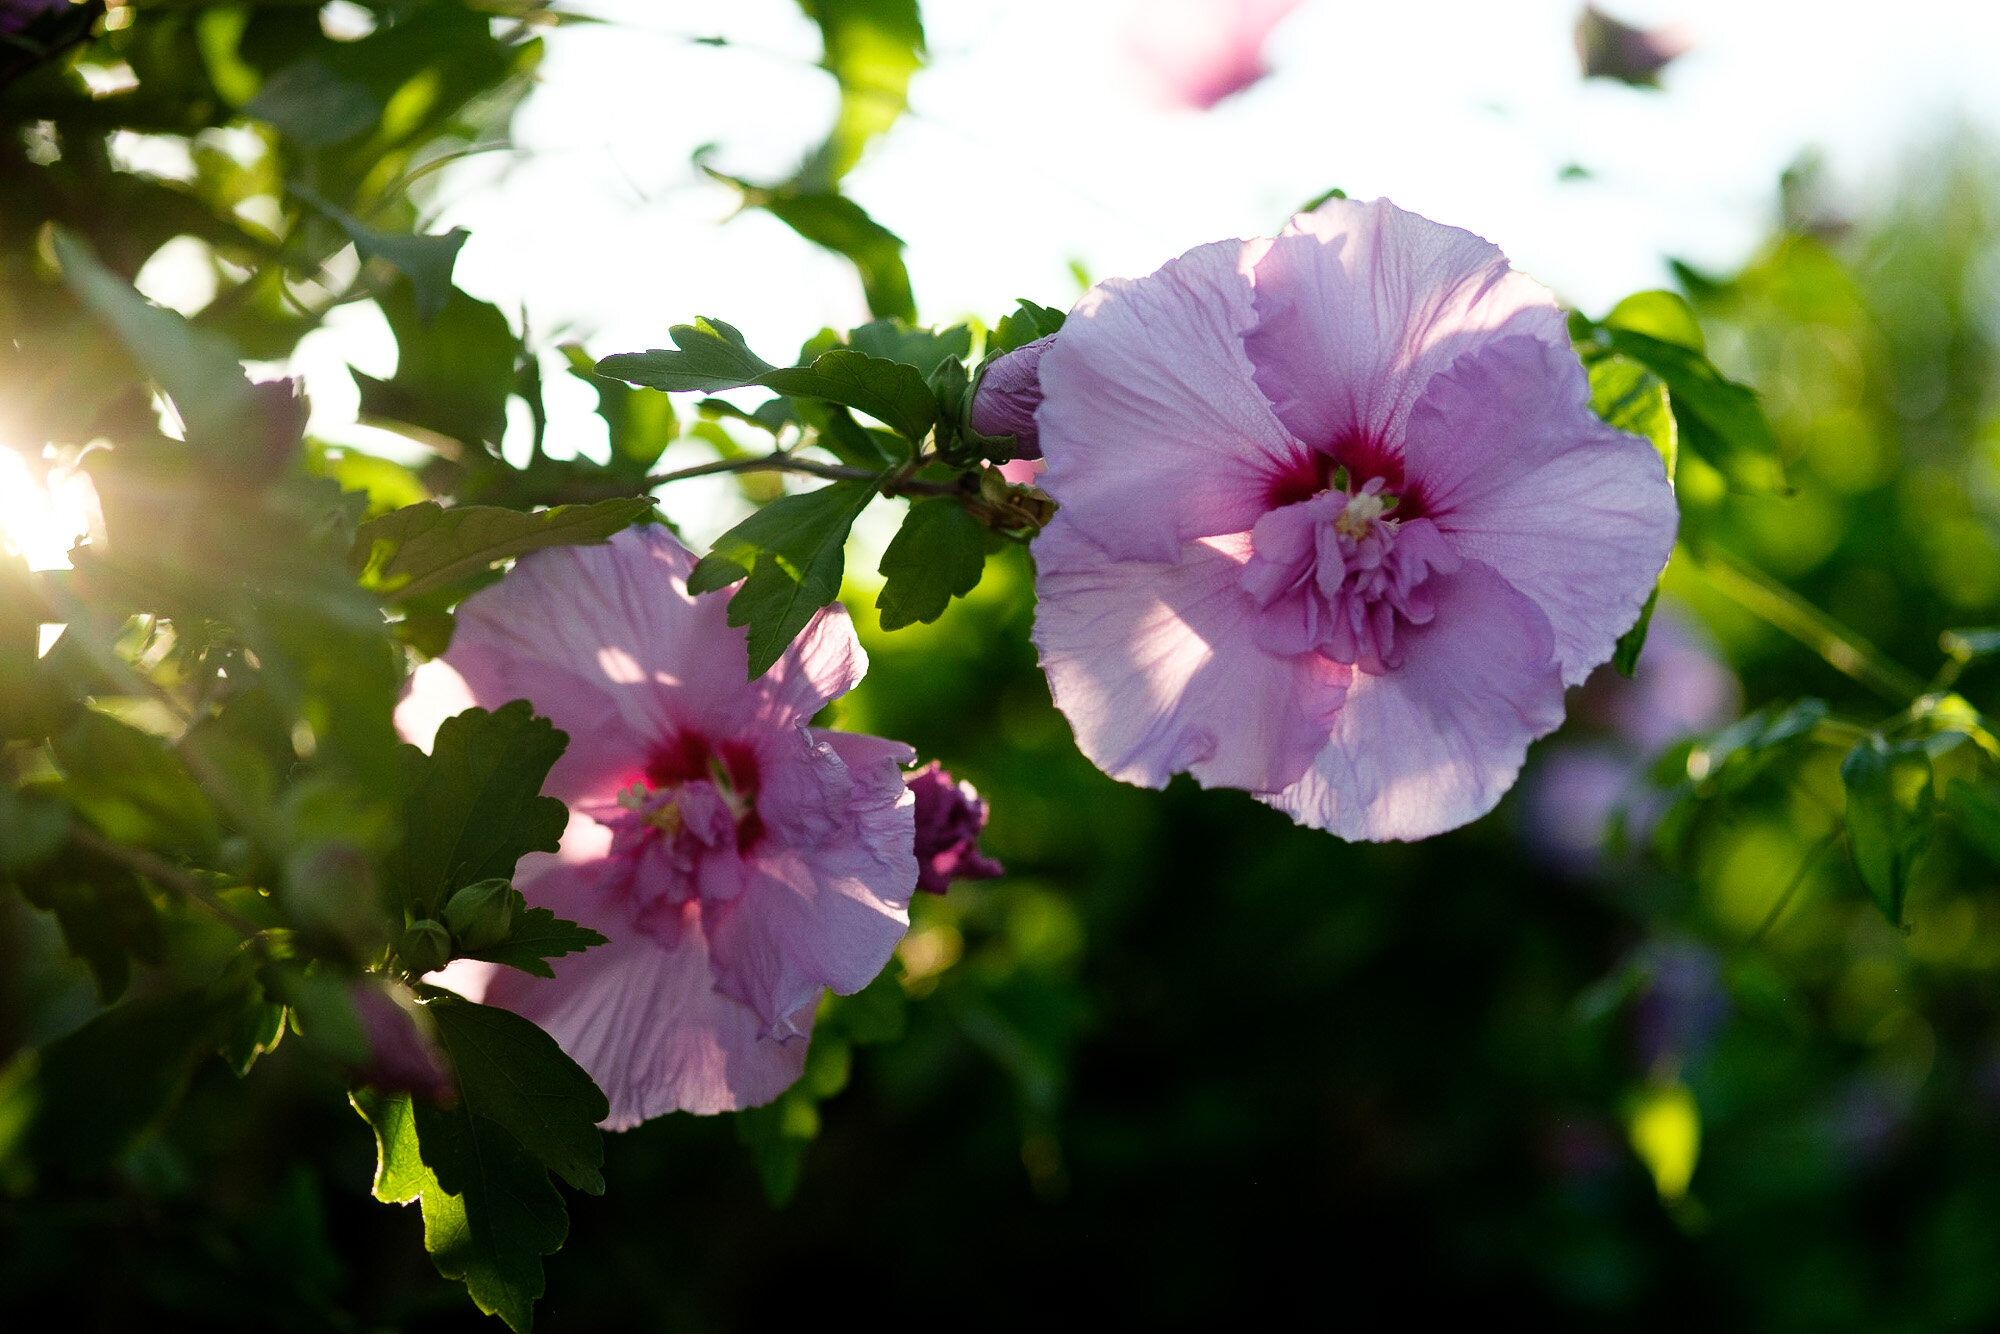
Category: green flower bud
<point>482,915</point>
<point>425,947</point>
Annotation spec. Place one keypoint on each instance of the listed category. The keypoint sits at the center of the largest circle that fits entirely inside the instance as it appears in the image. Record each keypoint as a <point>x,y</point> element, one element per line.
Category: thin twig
<point>1842,649</point>
<point>892,484</point>
<point>162,873</point>
<point>1818,850</point>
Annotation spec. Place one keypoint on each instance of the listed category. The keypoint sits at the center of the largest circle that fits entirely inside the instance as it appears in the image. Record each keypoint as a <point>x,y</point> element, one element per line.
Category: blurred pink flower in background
<point>1194,53</point>
<point>1609,49</point>
<point>740,861</point>
<point>1337,522</point>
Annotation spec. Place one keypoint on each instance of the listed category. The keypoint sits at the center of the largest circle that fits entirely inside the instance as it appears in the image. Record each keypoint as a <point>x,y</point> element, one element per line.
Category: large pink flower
<point>739,860</point>
<point>1338,524</point>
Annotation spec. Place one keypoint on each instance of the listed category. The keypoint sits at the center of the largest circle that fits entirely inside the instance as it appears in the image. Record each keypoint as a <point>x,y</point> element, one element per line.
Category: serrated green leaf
<point>794,550</point>
<point>454,371</point>
<point>474,805</point>
<point>425,547</point>
<point>539,935</point>
<point>1719,419</point>
<point>1662,315</point>
<point>712,355</point>
<point>514,1074</point>
<point>1889,816</point>
<point>939,553</point>
<point>889,391</point>
<point>493,1232</point>
<point>107,919</point>
<point>427,261</point>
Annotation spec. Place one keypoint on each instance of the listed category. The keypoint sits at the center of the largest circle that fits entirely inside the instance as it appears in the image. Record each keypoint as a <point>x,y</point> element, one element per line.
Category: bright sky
<point>1029,146</point>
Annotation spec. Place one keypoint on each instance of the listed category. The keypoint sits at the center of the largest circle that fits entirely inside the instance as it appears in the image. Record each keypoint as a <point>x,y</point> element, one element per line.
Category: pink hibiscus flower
<point>739,860</point>
<point>1338,523</point>
<point>1194,53</point>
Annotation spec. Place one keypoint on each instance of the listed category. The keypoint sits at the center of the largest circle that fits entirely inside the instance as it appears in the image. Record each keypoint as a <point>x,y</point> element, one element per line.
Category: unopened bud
<point>950,817</point>
<point>1009,392</point>
<point>425,947</point>
<point>482,915</point>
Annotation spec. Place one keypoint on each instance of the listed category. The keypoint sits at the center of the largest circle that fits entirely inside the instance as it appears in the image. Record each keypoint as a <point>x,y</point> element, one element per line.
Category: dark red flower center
<point>690,757</point>
<point>1365,458</point>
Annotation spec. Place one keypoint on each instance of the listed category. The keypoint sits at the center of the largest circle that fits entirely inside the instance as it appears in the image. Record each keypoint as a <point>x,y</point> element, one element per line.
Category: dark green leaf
<point>425,547</point>
<point>539,935</point>
<point>640,422</point>
<point>1720,419</point>
<point>794,550</point>
<point>474,806</point>
<point>938,554</point>
<point>505,1216</point>
<point>894,340</point>
<point>454,372</point>
<point>427,261</point>
<point>1625,657</point>
<point>131,786</point>
<point>80,1102</point>
<point>107,920</point>
<point>835,222</point>
<point>1976,809</point>
<point>514,1074</point>
<point>314,106</point>
<point>712,356</point>
<point>889,391</point>
<point>1628,396</point>
<point>1889,816</point>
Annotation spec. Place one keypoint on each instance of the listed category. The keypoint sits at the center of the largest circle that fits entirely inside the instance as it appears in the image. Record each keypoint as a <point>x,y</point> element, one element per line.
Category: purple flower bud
<point>1609,49</point>
<point>950,816</point>
<point>402,1055</point>
<point>1008,394</point>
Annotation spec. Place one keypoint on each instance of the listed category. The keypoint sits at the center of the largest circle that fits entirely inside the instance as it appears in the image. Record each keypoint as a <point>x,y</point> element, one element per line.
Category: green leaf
<point>894,340</point>
<point>490,1234</point>
<point>1631,398</point>
<point>712,356</point>
<point>1976,809</point>
<point>1718,418</point>
<point>1889,816</point>
<point>1023,326</point>
<point>511,1072</point>
<point>872,47</point>
<point>939,553</point>
<point>427,261</point>
<point>312,105</point>
<point>1663,315</point>
<point>79,1103</point>
<point>454,371</point>
<point>424,547</point>
<point>257,427</point>
<point>131,786</point>
<point>33,829</point>
<point>835,222</point>
<point>106,917</point>
<point>539,935</point>
<point>474,806</point>
<point>640,422</point>
<point>794,551</point>
<point>889,391</point>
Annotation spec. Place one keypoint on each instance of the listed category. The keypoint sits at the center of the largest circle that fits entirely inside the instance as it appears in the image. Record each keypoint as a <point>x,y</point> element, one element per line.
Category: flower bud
<point>482,915</point>
<point>1009,391</point>
<point>950,817</point>
<point>403,1055</point>
<point>425,947</point>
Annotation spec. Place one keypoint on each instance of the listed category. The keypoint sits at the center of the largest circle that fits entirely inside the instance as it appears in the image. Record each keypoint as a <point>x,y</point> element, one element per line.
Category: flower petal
<point>646,1022</point>
<point>1157,667</point>
<point>1434,743</point>
<point>1151,420</point>
<point>1518,472</point>
<point>1359,304</point>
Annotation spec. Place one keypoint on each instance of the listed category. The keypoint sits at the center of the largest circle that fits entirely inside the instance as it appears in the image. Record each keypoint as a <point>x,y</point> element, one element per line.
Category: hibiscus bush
<point>393,830</point>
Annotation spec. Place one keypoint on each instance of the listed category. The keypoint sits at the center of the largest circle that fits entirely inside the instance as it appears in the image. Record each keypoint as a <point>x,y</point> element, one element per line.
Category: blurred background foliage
<point>1618,1056</point>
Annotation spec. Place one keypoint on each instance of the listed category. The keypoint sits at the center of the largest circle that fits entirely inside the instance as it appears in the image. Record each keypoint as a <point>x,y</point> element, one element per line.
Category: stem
<point>1843,650</point>
<point>162,873</point>
<point>1784,901</point>
<point>892,484</point>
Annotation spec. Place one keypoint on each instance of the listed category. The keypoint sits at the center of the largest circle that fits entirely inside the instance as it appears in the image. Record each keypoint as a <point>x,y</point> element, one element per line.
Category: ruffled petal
<point>1434,743</point>
<point>1359,304</point>
<point>1151,420</point>
<point>1158,669</point>
<point>1518,472</point>
<point>645,1021</point>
